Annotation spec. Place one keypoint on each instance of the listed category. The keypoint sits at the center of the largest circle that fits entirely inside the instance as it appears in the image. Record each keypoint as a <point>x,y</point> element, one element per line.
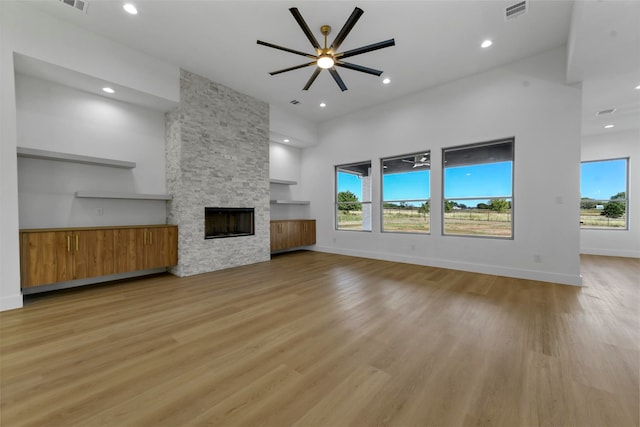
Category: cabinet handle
<point>68,243</point>
<point>145,237</point>
<point>151,237</point>
<point>76,243</point>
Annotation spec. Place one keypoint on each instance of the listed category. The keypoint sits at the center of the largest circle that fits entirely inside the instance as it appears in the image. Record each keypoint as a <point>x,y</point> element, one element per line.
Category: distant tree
<point>424,209</point>
<point>482,206</point>
<point>620,195</point>
<point>499,205</point>
<point>389,206</point>
<point>403,205</point>
<point>613,210</point>
<point>587,203</point>
<point>448,205</point>
<point>346,201</point>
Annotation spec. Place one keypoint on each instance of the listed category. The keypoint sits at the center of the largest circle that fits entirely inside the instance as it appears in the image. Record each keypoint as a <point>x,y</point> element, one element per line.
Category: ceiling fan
<point>328,58</point>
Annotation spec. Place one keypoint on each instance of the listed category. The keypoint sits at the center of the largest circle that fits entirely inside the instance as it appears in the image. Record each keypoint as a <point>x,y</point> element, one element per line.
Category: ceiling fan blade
<point>359,68</point>
<point>336,77</point>
<point>312,78</point>
<point>273,73</point>
<point>305,28</point>
<point>346,28</point>
<point>286,49</point>
<point>365,49</point>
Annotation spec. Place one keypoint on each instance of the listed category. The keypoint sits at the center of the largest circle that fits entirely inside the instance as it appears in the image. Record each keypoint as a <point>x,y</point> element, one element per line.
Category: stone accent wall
<point>217,156</point>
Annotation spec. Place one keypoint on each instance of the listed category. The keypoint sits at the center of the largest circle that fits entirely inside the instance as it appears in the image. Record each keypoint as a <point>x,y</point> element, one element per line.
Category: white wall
<point>299,131</point>
<point>58,118</point>
<point>27,31</point>
<point>527,100</point>
<point>625,243</point>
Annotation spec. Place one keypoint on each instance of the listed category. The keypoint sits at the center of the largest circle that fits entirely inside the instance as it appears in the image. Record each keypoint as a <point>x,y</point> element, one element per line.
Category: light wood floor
<point>319,339</point>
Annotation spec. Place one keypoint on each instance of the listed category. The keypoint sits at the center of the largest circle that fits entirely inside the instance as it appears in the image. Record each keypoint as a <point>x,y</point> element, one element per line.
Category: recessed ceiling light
<point>108,90</point>
<point>285,140</point>
<point>638,87</point>
<point>386,81</point>
<point>485,44</point>
<point>607,111</point>
<point>322,104</point>
<point>129,8</point>
<point>609,126</point>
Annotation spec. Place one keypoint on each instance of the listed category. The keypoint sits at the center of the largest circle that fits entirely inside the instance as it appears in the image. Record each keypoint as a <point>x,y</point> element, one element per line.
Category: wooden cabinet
<point>60,255</point>
<point>160,247</point>
<point>100,252</point>
<point>287,234</point>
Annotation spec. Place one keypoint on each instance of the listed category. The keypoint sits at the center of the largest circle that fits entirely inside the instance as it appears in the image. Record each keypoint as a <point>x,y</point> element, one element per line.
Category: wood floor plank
<point>328,340</point>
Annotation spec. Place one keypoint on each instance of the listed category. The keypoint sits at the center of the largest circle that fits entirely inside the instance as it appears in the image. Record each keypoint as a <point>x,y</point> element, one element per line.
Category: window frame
<point>512,141</point>
<point>383,200</point>
<point>336,169</point>
<point>625,200</point>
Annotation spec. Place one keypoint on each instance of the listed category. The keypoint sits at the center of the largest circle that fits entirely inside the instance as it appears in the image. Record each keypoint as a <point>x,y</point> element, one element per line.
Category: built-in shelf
<point>114,195</point>
<point>290,202</point>
<point>282,181</point>
<point>34,153</point>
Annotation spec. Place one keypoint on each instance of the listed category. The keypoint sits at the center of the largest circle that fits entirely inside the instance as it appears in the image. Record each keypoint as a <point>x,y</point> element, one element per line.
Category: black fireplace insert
<point>228,222</point>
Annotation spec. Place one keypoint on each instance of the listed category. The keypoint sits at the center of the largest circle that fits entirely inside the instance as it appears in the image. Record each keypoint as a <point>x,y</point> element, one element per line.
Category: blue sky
<point>603,179</point>
<point>492,179</point>
<point>598,180</point>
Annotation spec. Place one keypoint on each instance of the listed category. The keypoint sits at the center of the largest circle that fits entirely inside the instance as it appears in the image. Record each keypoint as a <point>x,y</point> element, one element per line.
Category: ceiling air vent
<point>605,112</point>
<point>294,102</point>
<point>515,10</point>
<point>80,5</point>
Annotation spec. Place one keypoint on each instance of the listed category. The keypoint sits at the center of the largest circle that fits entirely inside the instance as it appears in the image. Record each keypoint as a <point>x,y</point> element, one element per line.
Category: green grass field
<point>463,222</point>
<point>474,222</point>
<point>592,218</point>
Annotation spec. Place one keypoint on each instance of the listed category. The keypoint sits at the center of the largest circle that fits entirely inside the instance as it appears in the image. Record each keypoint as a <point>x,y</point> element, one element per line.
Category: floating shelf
<point>34,153</point>
<point>113,195</point>
<point>282,181</point>
<point>290,202</point>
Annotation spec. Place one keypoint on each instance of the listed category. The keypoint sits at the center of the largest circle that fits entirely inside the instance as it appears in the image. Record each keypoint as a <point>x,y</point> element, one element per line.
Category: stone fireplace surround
<point>217,155</point>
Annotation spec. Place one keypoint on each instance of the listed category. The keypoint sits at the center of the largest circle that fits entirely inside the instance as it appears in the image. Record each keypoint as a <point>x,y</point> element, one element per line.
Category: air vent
<point>294,102</point>
<point>605,112</point>
<point>515,10</point>
<point>80,5</point>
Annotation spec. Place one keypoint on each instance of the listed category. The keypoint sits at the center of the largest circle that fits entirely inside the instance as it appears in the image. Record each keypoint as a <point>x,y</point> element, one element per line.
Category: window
<point>603,194</point>
<point>478,190</point>
<point>405,193</point>
<point>353,196</point>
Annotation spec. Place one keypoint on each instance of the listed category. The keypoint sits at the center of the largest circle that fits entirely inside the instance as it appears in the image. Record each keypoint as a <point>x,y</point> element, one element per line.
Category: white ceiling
<point>436,42</point>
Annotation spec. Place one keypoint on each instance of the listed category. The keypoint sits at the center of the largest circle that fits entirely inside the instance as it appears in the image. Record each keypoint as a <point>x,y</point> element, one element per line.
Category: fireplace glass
<point>228,222</point>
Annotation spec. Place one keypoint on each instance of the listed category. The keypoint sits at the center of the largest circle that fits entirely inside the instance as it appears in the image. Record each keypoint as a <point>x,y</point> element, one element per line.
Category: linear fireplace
<point>228,222</point>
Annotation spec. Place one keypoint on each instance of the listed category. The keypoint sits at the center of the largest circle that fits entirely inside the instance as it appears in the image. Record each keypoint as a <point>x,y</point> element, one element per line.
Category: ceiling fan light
<point>325,61</point>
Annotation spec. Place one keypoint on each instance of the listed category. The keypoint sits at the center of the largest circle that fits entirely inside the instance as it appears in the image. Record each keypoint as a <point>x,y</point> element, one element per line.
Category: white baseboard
<point>565,279</point>
<point>11,302</point>
<point>611,252</point>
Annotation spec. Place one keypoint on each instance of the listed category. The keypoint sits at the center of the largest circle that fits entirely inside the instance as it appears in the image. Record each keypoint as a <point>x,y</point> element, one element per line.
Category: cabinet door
<point>128,249</point>
<point>39,258</point>
<point>98,246</point>
<point>273,235</point>
<point>294,234</point>
<point>50,257</point>
<point>279,233</point>
<point>308,233</point>
<point>160,246</point>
